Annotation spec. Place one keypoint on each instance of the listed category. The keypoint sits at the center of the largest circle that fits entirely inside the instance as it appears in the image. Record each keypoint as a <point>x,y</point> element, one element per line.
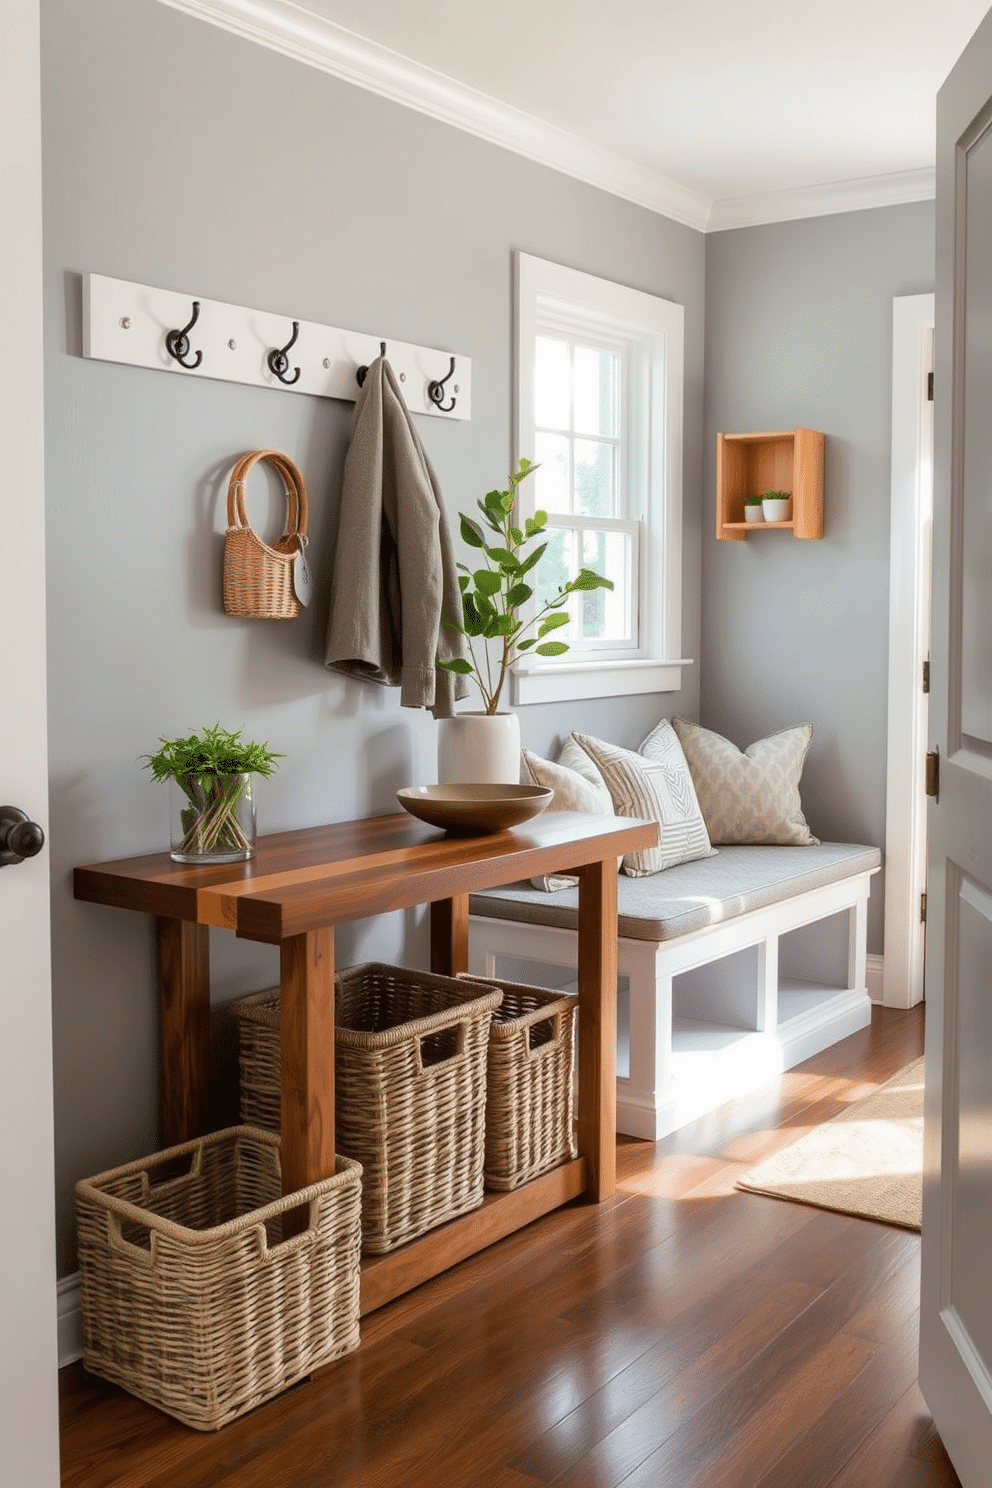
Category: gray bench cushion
<point>681,900</point>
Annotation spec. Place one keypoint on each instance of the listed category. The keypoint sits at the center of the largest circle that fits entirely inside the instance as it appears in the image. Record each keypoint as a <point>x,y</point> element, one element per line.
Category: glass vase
<point>212,818</point>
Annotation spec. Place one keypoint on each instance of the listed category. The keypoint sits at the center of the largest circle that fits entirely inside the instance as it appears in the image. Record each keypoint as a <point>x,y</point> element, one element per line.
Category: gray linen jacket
<point>394,572</point>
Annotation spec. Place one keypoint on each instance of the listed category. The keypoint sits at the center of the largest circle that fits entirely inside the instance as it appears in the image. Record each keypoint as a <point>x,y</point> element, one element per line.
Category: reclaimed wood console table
<point>294,891</point>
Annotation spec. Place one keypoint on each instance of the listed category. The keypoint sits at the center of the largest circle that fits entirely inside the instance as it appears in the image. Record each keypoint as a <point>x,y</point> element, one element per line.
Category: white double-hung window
<point>599,408</point>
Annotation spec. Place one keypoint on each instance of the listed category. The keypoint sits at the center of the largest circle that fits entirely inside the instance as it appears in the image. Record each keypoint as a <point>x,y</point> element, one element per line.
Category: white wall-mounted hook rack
<point>130,323</point>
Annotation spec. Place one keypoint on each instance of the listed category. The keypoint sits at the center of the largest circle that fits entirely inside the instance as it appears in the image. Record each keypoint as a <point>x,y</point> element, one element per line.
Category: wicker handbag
<point>263,581</point>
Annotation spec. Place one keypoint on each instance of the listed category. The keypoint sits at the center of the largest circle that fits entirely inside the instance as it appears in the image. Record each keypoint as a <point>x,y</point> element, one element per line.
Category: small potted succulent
<point>212,799</point>
<point>753,509</point>
<point>777,506</point>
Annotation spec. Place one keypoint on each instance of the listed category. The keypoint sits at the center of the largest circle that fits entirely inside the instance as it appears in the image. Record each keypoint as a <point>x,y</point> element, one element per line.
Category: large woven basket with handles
<point>191,1297</point>
<point>528,1084</point>
<point>259,582</point>
<point>410,1091</point>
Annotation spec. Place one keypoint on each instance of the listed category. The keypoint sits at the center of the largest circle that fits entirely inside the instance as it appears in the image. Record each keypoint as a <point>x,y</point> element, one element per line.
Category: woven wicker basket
<point>410,1086</point>
<point>528,1084</point>
<point>191,1299</point>
<point>258,576</point>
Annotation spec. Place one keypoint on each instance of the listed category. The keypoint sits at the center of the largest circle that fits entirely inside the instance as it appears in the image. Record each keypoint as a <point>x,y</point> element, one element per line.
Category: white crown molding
<point>821,201</point>
<point>297,33</point>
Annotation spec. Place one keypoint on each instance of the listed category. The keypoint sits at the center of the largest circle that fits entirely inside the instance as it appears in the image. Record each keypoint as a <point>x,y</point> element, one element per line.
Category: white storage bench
<point>732,969</point>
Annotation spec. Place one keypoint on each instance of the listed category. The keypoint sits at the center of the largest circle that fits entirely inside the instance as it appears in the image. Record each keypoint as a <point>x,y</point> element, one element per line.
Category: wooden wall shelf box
<point>292,893</point>
<point>750,464</point>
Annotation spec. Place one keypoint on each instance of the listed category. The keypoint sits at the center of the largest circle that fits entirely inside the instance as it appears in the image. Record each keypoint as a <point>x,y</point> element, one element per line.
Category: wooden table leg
<point>307,1033</point>
<point>184,991</point>
<point>449,935</point>
<point>597,1115</point>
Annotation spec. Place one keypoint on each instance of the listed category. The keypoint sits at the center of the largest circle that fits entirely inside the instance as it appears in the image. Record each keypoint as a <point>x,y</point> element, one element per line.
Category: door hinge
<point>933,774</point>
<point>923,908</point>
<point>929,387</point>
<point>926,675</point>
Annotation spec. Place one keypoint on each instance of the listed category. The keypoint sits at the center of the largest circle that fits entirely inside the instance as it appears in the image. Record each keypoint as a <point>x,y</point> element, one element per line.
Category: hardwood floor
<point>683,1334</point>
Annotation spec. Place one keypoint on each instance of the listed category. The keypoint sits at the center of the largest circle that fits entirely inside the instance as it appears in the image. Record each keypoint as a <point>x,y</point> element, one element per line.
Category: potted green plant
<point>753,509</point>
<point>211,787</point>
<point>777,506</point>
<point>495,633</point>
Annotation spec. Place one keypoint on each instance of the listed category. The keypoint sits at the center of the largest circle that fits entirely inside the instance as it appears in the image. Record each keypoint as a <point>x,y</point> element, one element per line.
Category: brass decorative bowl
<point>474,808</point>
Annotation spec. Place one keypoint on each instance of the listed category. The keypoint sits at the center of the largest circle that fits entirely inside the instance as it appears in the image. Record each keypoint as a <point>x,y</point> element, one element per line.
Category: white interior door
<point>910,520</point>
<point>29,1452</point>
<point>956,1301</point>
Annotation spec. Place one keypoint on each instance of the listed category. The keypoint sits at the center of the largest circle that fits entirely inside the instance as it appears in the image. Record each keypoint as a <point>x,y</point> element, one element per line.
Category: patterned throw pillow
<point>749,797</point>
<point>657,786</point>
<point>577,786</point>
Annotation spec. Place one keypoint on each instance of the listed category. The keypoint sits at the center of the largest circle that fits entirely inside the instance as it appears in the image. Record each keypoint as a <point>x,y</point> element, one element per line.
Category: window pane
<point>551,383</point>
<point>554,570</point>
<point>604,614</point>
<point>551,485</point>
<point>595,479</point>
<point>597,391</point>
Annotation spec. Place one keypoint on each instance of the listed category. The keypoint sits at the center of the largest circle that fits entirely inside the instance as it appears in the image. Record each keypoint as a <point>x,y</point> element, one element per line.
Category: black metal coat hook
<point>177,342</point>
<point>279,362</point>
<point>435,391</point>
<point>363,372</point>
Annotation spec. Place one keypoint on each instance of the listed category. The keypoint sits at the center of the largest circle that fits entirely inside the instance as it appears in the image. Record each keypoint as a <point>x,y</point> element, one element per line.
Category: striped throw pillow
<point>656,787</point>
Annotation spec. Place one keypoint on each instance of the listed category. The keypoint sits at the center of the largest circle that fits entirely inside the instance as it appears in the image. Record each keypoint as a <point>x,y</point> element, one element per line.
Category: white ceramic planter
<point>754,512</point>
<point>777,510</point>
<point>479,749</point>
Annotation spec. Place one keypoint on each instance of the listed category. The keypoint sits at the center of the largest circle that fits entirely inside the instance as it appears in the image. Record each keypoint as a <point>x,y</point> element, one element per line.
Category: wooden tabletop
<point>320,876</point>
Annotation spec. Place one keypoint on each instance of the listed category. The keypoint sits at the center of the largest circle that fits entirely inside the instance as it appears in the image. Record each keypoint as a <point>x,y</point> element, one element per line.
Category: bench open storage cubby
<point>716,1011</point>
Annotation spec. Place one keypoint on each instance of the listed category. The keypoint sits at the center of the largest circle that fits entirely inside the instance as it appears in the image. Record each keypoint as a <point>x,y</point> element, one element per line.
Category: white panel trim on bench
<point>678,1068</point>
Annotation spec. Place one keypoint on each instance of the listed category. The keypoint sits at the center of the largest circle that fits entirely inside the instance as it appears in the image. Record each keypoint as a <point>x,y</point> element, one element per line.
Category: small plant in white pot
<point>753,509</point>
<point>777,506</point>
<point>494,632</point>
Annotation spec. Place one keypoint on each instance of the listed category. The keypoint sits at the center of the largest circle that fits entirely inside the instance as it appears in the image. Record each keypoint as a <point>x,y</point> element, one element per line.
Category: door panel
<point>956,1297</point>
<point>29,1452</point>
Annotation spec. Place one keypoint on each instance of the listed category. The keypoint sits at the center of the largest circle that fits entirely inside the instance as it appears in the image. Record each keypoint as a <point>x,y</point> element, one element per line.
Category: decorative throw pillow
<point>658,788</point>
<point>577,786</point>
<point>749,797</point>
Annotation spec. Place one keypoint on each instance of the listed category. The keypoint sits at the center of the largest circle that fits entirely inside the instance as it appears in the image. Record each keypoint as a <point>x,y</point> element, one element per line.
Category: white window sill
<point>568,680</point>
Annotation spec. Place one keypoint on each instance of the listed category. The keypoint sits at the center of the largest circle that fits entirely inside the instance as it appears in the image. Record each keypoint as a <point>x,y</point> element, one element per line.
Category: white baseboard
<point>70,1320</point>
<point>874,977</point>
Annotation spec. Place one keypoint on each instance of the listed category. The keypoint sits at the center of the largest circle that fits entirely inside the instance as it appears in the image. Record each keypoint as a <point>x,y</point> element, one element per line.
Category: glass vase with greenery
<point>494,595</point>
<point>211,777</point>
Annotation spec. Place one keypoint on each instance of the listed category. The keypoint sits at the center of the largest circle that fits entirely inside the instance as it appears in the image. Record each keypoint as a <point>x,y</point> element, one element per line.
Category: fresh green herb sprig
<point>213,751</point>
<point>492,596</point>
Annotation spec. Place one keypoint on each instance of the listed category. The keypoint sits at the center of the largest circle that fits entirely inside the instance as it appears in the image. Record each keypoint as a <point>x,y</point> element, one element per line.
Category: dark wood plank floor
<point>684,1334</point>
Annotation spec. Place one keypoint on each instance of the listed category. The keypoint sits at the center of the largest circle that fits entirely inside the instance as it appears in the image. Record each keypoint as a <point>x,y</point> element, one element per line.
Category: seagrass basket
<point>191,1298</point>
<point>528,1084</point>
<point>259,576</point>
<point>410,1091</point>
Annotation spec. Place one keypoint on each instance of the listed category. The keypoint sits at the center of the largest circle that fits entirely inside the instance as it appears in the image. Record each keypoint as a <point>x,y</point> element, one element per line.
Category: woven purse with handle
<point>265,581</point>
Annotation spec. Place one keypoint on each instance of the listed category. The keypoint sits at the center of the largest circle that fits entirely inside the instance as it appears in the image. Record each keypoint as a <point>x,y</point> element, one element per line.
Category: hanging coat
<point>394,572</point>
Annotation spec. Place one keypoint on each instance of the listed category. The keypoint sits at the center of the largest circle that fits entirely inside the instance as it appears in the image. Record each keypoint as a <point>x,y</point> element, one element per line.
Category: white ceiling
<point>717,110</point>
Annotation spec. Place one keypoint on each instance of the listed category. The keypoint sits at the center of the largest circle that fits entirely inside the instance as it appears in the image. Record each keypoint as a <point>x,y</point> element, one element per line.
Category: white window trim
<point>543,287</point>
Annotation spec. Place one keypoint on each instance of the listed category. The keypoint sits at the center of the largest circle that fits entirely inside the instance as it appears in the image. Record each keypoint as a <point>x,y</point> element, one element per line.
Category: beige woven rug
<point>867,1161</point>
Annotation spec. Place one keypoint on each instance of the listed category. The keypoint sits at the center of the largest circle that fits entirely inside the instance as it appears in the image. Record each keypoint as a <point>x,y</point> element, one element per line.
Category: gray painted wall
<point>177,155</point>
<point>799,332</point>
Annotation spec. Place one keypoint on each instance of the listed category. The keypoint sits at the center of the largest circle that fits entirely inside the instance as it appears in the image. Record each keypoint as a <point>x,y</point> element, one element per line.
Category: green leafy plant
<point>210,768</point>
<point>753,500</point>
<point>492,596</point>
<point>774,496</point>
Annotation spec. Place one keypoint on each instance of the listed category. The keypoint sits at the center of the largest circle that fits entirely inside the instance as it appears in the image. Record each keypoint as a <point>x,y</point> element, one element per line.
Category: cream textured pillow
<point>751,797</point>
<point>577,786</point>
<point>658,787</point>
